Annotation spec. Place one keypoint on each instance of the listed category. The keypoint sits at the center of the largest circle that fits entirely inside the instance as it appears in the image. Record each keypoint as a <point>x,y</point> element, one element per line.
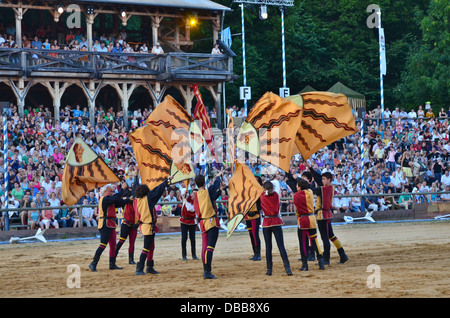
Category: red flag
<point>201,114</point>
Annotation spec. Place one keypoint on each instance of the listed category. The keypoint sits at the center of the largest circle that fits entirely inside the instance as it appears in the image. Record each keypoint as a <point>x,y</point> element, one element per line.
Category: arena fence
<point>15,222</point>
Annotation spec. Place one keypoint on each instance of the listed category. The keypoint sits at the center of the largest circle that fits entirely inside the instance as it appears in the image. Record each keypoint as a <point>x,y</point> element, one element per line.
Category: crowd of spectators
<point>76,40</point>
<point>393,155</point>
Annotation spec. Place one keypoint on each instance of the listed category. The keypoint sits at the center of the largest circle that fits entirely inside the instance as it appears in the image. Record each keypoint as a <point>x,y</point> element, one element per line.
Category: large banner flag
<point>163,147</point>
<point>84,171</point>
<point>270,129</point>
<point>153,154</point>
<point>201,114</point>
<point>244,191</point>
<point>326,117</point>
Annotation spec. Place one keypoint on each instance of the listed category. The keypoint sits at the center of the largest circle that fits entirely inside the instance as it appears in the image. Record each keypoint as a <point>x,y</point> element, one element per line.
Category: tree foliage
<point>329,41</point>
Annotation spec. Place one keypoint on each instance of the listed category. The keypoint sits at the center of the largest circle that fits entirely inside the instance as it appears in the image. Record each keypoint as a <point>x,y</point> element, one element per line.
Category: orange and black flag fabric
<point>153,154</point>
<point>84,171</point>
<point>201,114</point>
<point>163,147</point>
<point>326,117</point>
<point>269,131</point>
<point>244,191</point>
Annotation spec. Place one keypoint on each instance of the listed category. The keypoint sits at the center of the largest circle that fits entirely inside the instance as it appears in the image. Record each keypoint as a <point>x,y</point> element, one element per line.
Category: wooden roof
<point>182,4</point>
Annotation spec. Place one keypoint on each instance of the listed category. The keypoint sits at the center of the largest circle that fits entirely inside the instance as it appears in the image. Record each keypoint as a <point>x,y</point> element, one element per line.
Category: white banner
<point>382,51</point>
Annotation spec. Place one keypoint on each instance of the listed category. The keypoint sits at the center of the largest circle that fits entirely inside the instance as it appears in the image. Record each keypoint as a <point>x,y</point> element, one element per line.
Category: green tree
<point>427,73</point>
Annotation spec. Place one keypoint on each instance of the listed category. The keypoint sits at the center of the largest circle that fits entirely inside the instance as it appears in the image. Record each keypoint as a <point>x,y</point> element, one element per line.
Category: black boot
<point>343,256</point>
<point>150,269</point>
<point>207,272</point>
<point>131,259</point>
<point>304,264</point>
<point>320,261</point>
<point>93,265</point>
<point>140,268</point>
<point>194,255</point>
<point>269,269</point>
<point>112,263</point>
<point>254,254</point>
<point>287,268</point>
<point>257,256</point>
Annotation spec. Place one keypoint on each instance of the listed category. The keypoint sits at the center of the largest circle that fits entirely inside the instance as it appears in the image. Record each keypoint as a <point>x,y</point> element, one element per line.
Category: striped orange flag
<point>84,171</point>
<point>269,130</point>
<point>326,117</point>
<point>244,191</point>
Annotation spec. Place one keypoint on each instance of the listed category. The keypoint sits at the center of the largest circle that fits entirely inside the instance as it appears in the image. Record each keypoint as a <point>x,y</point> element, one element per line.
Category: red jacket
<point>270,205</point>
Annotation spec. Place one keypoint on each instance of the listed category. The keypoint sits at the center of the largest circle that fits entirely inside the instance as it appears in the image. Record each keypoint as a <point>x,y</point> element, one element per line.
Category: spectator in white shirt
<point>445,179</point>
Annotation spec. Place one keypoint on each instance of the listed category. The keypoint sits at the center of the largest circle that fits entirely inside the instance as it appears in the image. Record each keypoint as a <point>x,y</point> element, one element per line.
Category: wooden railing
<point>65,63</point>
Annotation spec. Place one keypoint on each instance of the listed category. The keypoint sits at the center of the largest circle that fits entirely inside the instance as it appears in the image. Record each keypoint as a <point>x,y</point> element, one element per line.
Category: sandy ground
<point>413,260</point>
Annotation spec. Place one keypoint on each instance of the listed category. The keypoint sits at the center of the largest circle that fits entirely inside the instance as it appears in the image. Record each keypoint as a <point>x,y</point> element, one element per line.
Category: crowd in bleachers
<point>43,39</point>
<point>395,155</point>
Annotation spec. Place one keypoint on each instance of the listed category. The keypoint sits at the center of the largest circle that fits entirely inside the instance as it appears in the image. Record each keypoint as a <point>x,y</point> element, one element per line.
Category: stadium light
<point>90,10</point>
<point>263,12</point>
<point>60,9</point>
<point>123,13</point>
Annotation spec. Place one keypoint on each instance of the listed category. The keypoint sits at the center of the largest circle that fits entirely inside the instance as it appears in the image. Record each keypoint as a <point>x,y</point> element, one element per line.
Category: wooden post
<point>188,96</point>
<point>56,91</point>
<point>18,12</point>
<point>156,21</point>
<point>124,93</point>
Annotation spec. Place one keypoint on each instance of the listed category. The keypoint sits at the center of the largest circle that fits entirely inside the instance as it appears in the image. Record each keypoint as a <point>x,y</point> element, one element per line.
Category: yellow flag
<point>84,171</point>
<point>244,191</point>
<point>326,117</point>
<point>153,154</point>
<point>163,147</point>
<point>269,131</point>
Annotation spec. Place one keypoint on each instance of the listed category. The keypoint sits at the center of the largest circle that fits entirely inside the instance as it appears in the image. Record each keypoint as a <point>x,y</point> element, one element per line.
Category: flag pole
<point>244,72</point>
<point>5,168</point>
<point>283,47</point>
<point>381,40</point>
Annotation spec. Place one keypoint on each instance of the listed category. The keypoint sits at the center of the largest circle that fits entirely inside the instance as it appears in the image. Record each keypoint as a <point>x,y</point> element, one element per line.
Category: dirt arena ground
<point>413,260</point>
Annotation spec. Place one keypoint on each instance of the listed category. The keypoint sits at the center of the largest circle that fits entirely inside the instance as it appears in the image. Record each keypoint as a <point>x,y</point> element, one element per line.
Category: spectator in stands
<point>88,215</point>
<point>47,217</point>
<point>34,217</point>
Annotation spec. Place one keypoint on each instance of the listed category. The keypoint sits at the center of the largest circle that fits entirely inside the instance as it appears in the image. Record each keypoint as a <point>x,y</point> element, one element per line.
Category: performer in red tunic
<point>188,223</point>
<point>205,209</point>
<point>107,223</point>
<point>128,228</point>
<point>324,207</point>
<point>307,225</point>
<point>272,222</point>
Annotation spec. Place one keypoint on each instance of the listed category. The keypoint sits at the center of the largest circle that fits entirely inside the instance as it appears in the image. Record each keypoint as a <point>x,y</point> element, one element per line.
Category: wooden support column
<point>124,91</point>
<point>56,91</point>
<point>20,89</point>
<point>19,12</point>
<point>215,29</point>
<point>217,100</point>
<point>156,21</point>
<point>89,23</point>
<point>91,92</point>
<point>188,96</point>
<point>156,92</point>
